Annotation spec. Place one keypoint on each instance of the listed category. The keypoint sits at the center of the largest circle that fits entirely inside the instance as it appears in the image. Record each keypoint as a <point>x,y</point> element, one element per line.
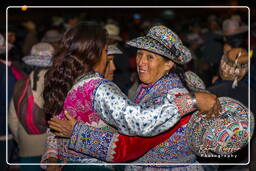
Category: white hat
<point>113,31</point>
<point>40,55</point>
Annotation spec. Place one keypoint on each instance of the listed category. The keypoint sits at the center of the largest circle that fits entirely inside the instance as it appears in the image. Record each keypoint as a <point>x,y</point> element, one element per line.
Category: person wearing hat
<point>233,64</point>
<point>232,71</point>
<point>53,37</point>
<point>122,73</point>
<point>26,116</point>
<point>5,69</point>
<point>159,53</point>
<point>112,50</point>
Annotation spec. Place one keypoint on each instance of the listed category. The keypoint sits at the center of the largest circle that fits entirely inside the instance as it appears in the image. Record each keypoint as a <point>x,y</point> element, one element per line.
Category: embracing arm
<point>108,145</point>
<point>133,119</point>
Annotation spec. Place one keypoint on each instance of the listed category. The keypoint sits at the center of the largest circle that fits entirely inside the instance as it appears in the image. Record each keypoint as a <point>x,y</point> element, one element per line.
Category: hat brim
<point>152,45</point>
<point>242,29</point>
<point>35,60</point>
<point>219,133</point>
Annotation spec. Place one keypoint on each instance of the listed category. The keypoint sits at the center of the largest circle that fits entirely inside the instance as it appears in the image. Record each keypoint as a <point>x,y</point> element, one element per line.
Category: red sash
<point>131,148</point>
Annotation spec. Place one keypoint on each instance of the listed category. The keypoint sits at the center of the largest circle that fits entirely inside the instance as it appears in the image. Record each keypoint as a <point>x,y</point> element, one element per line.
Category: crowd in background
<point>202,35</point>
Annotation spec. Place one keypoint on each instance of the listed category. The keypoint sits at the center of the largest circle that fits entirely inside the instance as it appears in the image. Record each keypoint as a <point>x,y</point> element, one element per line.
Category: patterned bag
<point>30,115</point>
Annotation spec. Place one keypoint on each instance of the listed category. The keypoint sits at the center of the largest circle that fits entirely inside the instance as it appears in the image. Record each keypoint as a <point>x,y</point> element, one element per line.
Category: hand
<point>52,167</point>
<point>209,104</point>
<point>63,128</point>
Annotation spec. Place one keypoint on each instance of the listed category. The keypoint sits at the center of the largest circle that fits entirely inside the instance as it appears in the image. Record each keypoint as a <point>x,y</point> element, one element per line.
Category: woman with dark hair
<point>159,54</point>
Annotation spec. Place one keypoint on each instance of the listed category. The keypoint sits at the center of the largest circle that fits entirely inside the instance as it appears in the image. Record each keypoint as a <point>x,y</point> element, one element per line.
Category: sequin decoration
<point>224,135</point>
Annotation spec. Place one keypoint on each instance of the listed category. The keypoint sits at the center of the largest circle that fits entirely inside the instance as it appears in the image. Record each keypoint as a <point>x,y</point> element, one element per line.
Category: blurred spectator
<point>53,37</point>
<point>27,103</point>
<point>212,47</point>
<point>3,91</point>
<point>14,52</point>
<point>233,67</point>
<point>31,37</point>
<point>71,21</point>
<point>122,73</point>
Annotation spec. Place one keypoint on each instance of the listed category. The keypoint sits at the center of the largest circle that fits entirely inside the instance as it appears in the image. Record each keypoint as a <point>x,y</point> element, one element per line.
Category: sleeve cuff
<point>185,104</point>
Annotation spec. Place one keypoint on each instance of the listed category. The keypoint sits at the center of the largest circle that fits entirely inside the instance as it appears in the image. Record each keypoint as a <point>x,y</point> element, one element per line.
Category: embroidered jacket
<point>108,145</point>
<point>93,98</point>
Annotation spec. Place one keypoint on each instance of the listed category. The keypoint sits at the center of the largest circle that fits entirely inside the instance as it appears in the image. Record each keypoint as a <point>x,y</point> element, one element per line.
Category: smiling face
<point>151,67</point>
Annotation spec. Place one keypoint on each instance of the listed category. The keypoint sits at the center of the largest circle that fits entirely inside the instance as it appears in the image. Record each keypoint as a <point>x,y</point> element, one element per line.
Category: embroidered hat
<point>234,65</point>
<point>40,55</point>
<point>232,27</point>
<point>113,31</point>
<point>194,82</point>
<point>163,41</point>
<point>52,36</point>
<point>224,135</point>
<point>113,49</point>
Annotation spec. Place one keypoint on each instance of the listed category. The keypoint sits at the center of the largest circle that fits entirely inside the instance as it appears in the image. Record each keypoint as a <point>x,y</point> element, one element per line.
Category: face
<point>151,67</point>
<point>110,68</point>
<point>101,65</point>
<point>11,37</point>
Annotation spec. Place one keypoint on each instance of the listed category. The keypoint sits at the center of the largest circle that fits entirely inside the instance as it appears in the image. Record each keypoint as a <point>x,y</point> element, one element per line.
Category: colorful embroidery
<point>91,141</point>
<point>223,135</point>
<point>165,42</point>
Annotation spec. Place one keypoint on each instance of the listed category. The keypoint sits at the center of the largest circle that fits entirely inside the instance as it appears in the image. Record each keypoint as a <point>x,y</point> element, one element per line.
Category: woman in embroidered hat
<point>26,116</point>
<point>158,82</point>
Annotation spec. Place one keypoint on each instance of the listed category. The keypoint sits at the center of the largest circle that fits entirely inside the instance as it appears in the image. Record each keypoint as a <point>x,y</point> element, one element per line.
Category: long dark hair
<point>81,48</point>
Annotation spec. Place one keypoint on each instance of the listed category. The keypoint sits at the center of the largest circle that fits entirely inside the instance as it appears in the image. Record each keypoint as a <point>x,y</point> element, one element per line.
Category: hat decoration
<point>163,41</point>
<point>40,55</point>
<point>223,135</point>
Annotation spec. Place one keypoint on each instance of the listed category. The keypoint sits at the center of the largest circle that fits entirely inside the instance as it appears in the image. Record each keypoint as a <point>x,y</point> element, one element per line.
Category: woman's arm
<point>13,121</point>
<point>51,148</point>
<point>137,120</point>
<point>108,145</point>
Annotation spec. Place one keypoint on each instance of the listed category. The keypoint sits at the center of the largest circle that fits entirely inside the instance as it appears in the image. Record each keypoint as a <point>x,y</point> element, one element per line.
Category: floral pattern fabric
<point>173,150</point>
